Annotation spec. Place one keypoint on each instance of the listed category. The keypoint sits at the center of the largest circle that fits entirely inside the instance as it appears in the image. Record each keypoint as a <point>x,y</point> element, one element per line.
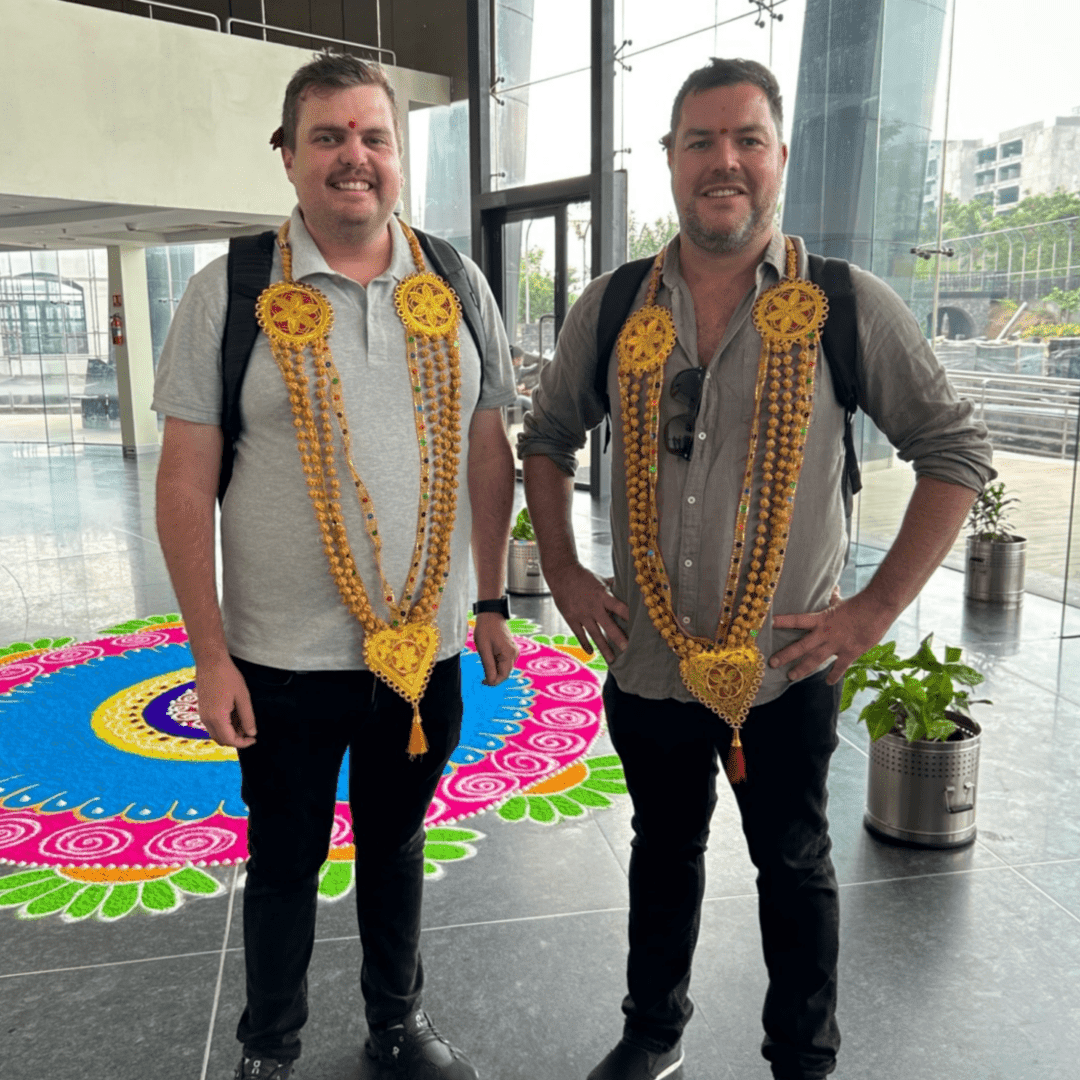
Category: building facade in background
<point>1034,159</point>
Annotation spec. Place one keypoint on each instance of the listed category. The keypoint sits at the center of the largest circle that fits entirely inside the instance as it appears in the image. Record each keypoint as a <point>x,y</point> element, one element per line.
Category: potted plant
<point>924,744</point>
<point>523,575</point>
<point>995,557</point>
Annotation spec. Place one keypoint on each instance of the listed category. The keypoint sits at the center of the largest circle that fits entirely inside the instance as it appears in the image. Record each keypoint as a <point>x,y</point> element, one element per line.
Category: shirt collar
<point>774,257</point>
<point>308,260</point>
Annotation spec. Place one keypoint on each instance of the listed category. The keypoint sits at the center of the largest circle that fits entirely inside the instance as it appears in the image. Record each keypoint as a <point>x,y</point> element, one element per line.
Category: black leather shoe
<point>414,1050</point>
<point>257,1067</point>
<point>627,1062</point>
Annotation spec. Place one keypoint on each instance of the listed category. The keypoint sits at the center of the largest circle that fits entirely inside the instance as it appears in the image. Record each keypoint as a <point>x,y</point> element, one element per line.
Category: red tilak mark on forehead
<point>352,123</point>
<point>723,131</point>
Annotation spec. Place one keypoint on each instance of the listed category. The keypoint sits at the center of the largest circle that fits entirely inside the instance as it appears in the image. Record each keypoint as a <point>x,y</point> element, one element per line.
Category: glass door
<point>541,265</point>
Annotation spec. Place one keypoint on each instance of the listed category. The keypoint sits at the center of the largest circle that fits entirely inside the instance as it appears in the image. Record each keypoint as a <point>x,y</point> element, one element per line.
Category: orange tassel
<point>418,743</point>
<point>736,762</point>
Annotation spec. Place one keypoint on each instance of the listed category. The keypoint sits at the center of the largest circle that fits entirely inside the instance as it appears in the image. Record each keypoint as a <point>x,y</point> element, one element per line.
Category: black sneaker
<point>627,1062</point>
<point>263,1068</point>
<point>414,1050</point>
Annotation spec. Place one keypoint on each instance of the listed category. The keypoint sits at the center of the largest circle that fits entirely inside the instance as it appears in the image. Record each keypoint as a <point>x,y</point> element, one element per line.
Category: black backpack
<point>249,265</point>
<point>840,340</point>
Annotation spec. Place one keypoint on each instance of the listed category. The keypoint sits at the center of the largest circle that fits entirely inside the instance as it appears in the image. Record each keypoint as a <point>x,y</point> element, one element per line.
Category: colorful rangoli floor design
<point>113,798</point>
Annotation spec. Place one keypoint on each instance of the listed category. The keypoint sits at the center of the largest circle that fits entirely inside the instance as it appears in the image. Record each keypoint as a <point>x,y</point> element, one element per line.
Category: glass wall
<point>57,365</point>
<point>54,347</point>
<point>540,126</point>
<point>1003,167</point>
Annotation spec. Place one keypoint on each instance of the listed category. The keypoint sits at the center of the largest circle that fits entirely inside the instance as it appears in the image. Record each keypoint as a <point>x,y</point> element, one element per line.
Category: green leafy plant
<point>523,529</point>
<point>989,519</point>
<point>913,694</point>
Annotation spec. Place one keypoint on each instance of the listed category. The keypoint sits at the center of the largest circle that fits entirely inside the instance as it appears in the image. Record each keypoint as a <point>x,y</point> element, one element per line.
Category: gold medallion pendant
<point>725,680</point>
<point>403,658</point>
<point>427,306</point>
<point>293,315</point>
<point>791,312</point>
<point>646,339</point>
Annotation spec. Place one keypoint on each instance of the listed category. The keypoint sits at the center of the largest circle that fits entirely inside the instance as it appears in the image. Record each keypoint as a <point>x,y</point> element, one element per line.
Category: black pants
<point>672,752</point>
<point>305,722</point>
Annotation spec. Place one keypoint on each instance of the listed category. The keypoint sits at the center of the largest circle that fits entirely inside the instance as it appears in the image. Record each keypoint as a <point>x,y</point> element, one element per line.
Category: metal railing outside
<point>1025,414</point>
<point>377,49</point>
<point>151,4</point>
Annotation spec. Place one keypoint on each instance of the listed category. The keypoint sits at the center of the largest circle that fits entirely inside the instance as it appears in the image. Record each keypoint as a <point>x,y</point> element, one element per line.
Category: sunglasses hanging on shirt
<point>679,430</point>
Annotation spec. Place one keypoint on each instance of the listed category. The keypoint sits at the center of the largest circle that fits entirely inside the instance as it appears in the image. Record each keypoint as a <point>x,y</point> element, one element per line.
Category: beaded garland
<point>296,317</point>
<point>724,674</point>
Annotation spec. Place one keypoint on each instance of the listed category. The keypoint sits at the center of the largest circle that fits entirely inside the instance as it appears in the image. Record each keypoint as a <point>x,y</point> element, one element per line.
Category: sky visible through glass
<point>1011,66</point>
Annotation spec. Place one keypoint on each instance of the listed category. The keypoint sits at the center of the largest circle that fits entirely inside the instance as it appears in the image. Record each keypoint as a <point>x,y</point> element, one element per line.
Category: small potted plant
<point>924,744</point>
<point>995,558</point>
<point>523,575</point>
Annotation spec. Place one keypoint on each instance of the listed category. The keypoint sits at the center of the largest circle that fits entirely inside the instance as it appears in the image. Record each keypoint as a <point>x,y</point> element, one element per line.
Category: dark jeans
<point>305,722</point>
<point>672,752</point>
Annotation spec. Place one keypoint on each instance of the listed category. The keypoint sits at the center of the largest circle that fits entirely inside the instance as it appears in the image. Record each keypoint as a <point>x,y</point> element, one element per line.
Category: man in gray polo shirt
<point>371,417</point>
<point>692,633</point>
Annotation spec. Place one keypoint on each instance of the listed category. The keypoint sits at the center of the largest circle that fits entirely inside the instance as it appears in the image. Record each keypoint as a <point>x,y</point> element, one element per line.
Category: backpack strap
<point>622,287</point>
<point>447,262</point>
<point>249,263</point>
<point>840,340</point>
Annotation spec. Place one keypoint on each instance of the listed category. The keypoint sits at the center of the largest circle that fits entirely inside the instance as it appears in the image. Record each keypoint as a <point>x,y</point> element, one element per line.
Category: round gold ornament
<point>293,315</point>
<point>646,339</point>
<point>792,311</point>
<point>427,306</point>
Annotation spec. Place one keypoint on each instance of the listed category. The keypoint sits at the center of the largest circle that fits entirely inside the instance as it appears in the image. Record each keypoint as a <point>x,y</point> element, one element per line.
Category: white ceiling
<point>30,222</point>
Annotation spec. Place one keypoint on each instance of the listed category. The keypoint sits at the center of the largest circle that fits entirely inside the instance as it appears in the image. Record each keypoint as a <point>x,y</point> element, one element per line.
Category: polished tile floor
<point>959,965</point>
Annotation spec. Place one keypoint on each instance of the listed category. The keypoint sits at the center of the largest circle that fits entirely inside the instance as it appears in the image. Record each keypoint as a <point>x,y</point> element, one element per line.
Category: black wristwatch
<point>502,606</point>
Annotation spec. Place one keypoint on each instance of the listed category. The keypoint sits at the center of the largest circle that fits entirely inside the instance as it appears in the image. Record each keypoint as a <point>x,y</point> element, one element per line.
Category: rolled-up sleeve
<point>565,405</point>
<point>906,392</point>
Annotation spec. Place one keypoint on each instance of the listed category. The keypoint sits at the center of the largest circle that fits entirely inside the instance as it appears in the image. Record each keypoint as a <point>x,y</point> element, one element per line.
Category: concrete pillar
<point>135,357</point>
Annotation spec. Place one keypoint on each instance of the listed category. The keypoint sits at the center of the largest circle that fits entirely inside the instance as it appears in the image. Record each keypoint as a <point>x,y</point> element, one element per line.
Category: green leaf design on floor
<point>447,844</point>
<point>584,786</point>
<point>34,894</point>
<point>41,645</point>
<point>442,845</point>
<point>132,625</point>
<point>593,661</point>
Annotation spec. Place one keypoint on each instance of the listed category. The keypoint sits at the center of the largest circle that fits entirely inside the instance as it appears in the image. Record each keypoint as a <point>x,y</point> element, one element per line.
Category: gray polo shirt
<point>280,605</point>
<point>902,388</point>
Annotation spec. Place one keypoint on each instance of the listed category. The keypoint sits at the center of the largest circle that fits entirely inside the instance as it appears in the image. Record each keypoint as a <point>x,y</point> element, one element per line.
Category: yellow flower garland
<point>724,674</point>
<point>297,317</point>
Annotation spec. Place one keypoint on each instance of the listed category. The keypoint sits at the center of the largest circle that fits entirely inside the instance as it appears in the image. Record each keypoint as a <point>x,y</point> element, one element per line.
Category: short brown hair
<point>332,71</point>
<point>719,72</point>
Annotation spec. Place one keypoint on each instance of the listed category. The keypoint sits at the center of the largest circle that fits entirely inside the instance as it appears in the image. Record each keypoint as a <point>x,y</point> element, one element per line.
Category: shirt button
<point>701,434</point>
<point>691,500</point>
<point>688,562</point>
<point>686,618</point>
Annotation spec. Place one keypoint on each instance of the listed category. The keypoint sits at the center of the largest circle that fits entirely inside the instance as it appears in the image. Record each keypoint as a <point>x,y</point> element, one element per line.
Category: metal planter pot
<point>922,794</point>
<point>523,575</point>
<point>994,571</point>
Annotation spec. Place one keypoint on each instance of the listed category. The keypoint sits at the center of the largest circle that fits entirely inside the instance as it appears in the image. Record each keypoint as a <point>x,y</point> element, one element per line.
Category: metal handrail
<point>304,33</point>
<point>151,4</point>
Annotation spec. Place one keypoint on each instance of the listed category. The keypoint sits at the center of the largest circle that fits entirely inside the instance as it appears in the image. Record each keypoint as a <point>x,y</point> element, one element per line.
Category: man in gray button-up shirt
<point>726,160</point>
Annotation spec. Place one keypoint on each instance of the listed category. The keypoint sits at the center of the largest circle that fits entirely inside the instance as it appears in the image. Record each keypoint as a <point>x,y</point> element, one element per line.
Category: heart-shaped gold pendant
<point>403,657</point>
<point>725,680</point>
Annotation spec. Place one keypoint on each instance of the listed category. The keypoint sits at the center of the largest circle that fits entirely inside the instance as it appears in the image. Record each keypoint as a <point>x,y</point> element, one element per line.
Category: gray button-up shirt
<point>901,387</point>
<point>280,605</point>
